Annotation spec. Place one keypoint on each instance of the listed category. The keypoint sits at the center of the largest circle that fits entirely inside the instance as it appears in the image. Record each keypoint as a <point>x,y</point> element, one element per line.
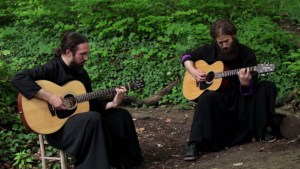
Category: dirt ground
<point>163,134</point>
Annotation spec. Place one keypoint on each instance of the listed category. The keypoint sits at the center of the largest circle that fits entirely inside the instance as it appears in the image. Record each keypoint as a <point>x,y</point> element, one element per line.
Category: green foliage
<point>291,70</point>
<point>290,9</point>
<point>293,63</point>
<point>23,159</point>
<point>15,139</point>
<point>44,14</point>
<point>6,97</point>
<point>262,35</point>
<point>12,135</point>
<point>273,8</point>
<point>271,45</point>
<point>132,39</point>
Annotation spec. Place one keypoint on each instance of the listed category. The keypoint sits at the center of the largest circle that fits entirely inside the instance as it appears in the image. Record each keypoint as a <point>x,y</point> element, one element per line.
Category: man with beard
<point>103,137</point>
<point>241,109</point>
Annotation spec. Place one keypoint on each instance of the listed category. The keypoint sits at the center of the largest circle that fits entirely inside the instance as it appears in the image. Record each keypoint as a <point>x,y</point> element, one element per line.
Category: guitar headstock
<point>137,84</point>
<point>265,68</point>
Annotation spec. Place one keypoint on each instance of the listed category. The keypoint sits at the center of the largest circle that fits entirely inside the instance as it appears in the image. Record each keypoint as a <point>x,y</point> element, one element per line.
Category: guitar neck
<point>94,95</point>
<point>231,72</point>
<point>97,94</point>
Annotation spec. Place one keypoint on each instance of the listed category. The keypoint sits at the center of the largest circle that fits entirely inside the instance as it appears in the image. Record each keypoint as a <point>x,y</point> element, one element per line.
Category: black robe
<point>99,138</point>
<point>232,114</point>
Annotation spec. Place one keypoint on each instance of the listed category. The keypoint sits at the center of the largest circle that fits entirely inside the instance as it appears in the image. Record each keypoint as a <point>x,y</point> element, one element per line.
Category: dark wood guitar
<point>214,73</point>
<point>40,117</point>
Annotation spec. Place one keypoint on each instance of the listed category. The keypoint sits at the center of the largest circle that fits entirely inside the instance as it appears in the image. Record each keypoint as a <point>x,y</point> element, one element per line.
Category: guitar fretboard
<point>231,72</point>
<point>97,94</point>
<point>94,95</point>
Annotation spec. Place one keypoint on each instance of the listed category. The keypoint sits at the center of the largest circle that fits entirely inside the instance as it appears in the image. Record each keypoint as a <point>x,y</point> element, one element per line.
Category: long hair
<point>70,41</point>
<point>222,27</point>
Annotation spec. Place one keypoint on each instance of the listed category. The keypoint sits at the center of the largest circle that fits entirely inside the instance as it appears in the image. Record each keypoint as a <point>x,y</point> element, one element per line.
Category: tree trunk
<point>152,100</point>
<point>290,109</point>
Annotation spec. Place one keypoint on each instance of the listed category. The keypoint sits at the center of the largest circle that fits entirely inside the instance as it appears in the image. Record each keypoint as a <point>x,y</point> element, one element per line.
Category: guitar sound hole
<point>208,82</point>
<point>210,77</point>
<point>70,102</point>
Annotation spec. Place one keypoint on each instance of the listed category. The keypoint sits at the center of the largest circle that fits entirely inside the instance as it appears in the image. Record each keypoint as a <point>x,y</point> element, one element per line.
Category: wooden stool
<point>62,154</point>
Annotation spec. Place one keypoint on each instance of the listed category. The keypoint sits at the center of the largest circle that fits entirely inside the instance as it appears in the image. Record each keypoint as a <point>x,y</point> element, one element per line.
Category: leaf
<point>168,120</point>
<point>139,130</point>
<point>238,164</point>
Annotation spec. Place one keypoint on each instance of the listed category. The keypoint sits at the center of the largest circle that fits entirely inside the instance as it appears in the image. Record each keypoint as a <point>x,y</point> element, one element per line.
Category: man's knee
<point>120,112</point>
<point>93,116</point>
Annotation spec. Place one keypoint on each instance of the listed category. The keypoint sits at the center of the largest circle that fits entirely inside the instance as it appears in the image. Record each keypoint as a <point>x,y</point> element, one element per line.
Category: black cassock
<point>99,138</point>
<point>233,114</point>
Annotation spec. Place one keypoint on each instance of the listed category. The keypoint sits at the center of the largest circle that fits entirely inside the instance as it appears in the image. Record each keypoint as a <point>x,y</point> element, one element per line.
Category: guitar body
<point>191,88</point>
<point>38,116</point>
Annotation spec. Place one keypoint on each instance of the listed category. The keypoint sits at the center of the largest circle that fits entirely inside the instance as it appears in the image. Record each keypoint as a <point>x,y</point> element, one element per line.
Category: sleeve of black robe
<point>24,80</point>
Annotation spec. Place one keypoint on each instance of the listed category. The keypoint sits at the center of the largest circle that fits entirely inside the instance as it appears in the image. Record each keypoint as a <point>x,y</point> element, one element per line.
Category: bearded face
<point>80,56</point>
<point>227,47</point>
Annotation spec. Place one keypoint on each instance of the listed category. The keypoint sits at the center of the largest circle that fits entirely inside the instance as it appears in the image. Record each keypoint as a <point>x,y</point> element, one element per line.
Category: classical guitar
<point>214,73</point>
<point>40,117</point>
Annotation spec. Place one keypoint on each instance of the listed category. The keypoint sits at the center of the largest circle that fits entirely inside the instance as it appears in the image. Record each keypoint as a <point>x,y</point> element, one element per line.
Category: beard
<point>77,68</point>
<point>228,54</point>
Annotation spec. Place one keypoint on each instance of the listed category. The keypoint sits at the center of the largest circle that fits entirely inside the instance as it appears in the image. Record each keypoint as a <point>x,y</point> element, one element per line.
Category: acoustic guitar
<point>40,117</point>
<point>214,73</point>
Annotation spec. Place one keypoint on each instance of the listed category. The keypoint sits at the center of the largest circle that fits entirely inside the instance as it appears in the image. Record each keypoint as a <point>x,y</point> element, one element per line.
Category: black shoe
<point>192,152</point>
<point>268,138</point>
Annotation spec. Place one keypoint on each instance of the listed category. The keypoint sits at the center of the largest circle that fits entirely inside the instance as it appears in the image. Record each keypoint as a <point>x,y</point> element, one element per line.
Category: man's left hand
<point>245,76</point>
<point>119,96</point>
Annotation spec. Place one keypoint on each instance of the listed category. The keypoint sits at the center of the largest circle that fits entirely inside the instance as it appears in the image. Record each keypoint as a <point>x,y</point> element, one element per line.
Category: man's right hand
<point>198,75</point>
<point>55,101</point>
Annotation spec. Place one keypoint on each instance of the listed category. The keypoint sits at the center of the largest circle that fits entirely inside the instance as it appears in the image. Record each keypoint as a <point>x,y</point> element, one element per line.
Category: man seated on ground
<point>241,109</point>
